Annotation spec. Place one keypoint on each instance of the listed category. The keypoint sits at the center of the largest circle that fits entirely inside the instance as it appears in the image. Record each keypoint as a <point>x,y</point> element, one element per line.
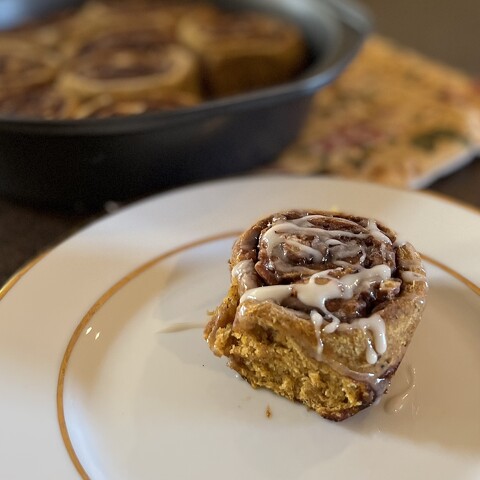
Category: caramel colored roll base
<point>321,309</point>
<point>242,51</point>
<point>24,65</point>
<point>41,102</point>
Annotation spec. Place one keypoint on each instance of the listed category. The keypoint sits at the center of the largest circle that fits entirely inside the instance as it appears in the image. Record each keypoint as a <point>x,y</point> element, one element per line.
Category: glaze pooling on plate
<point>396,402</point>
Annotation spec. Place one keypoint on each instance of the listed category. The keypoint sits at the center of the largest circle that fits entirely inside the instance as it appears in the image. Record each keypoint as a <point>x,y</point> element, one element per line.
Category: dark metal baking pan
<point>81,164</point>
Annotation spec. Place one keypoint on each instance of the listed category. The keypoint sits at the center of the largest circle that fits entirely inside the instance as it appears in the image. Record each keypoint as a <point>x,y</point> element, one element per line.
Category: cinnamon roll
<point>41,102</point>
<point>122,24</point>
<point>104,106</point>
<point>49,32</point>
<point>97,17</point>
<point>24,65</point>
<point>131,38</point>
<point>242,50</point>
<point>128,69</point>
<point>321,309</point>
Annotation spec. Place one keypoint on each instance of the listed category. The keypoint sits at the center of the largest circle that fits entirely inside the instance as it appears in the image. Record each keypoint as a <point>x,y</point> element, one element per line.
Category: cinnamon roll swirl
<point>321,309</point>
<point>114,39</point>
<point>104,106</point>
<point>41,102</point>
<point>24,65</point>
<point>242,50</point>
<point>49,32</point>
<point>126,68</point>
<point>97,17</point>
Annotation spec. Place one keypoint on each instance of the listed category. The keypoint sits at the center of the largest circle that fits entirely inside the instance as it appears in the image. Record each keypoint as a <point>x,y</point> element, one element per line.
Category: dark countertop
<point>451,37</point>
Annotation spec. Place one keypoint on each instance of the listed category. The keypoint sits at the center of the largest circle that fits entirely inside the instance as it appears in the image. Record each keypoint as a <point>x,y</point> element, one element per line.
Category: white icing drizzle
<point>278,233</point>
<point>316,295</point>
<point>376,233</point>
<point>395,403</point>
<point>332,326</point>
<point>348,250</point>
<point>276,293</point>
<point>323,286</point>
<point>371,355</point>
<point>274,235</point>
<point>376,326</point>
<point>317,321</point>
<point>243,272</point>
<point>378,384</point>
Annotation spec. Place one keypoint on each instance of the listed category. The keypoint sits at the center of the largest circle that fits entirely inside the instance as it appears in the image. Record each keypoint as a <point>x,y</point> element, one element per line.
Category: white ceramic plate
<point>90,386</point>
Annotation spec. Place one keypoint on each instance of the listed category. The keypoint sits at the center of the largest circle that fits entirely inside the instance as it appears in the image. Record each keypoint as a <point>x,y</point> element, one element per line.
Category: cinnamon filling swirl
<point>139,51</point>
<point>122,64</point>
<point>23,66</point>
<point>144,40</point>
<point>339,270</point>
<point>247,26</point>
<point>45,102</point>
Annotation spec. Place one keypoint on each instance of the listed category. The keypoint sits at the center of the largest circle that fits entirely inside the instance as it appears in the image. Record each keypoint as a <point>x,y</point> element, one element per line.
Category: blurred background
<point>441,30</point>
<point>445,30</point>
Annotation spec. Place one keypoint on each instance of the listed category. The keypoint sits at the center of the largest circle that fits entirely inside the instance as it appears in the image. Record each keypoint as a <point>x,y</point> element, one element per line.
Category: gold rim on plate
<point>124,281</point>
<point>7,286</point>
<point>15,278</point>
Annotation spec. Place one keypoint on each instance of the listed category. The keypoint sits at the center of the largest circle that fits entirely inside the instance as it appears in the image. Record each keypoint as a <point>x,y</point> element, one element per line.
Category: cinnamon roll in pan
<point>217,138</point>
<point>97,17</point>
<point>127,73</point>
<point>44,101</point>
<point>127,37</point>
<point>24,65</point>
<point>243,50</point>
<point>49,32</point>
<point>104,106</point>
<point>321,309</point>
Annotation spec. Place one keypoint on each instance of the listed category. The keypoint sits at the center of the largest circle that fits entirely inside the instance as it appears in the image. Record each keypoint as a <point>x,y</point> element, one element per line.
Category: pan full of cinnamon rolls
<point>122,98</point>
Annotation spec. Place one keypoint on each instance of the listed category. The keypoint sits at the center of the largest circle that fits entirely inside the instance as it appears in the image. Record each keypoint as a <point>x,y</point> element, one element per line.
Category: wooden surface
<point>445,30</point>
